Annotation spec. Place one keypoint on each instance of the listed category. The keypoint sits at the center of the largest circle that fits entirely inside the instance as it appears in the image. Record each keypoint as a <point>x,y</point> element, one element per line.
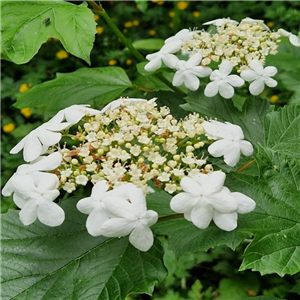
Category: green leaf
<point>26,25</point>
<point>250,119</point>
<point>65,262</point>
<point>282,132</point>
<point>142,5</point>
<point>84,86</point>
<point>260,298</point>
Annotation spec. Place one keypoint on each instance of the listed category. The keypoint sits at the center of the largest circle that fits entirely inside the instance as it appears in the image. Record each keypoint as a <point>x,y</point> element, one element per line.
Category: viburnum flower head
<point>163,55</point>
<point>229,144</point>
<point>129,216</point>
<point>95,208</point>
<point>222,82</point>
<point>189,71</point>
<point>204,198</point>
<point>259,76</point>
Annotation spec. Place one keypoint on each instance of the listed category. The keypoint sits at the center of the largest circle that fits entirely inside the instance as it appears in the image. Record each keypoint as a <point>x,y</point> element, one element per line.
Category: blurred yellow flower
<point>128,62</point>
<point>171,25</point>
<point>196,14</point>
<point>135,23</point>
<point>158,2</point>
<point>24,87</point>
<point>26,112</point>
<point>112,62</point>
<point>9,127</point>
<point>271,24</point>
<point>152,32</point>
<point>99,29</point>
<point>96,17</point>
<point>171,14</point>
<point>62,54</point>
<point>128,24</point>
<point>274,98</point>
<point>182,5</point>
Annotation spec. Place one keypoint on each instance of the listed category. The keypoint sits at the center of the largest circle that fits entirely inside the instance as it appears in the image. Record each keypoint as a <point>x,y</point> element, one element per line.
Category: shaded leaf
<point>26,25</point>
<point>96,86</point>
<point>65,262</point>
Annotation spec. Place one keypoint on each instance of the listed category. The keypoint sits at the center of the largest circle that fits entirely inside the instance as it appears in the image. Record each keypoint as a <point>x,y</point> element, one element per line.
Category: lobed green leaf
<point>26,25</point>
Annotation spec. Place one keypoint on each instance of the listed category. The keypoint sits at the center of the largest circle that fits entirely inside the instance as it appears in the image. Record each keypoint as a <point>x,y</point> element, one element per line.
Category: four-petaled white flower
<point>74,113</point>
<point>38,196</point>
<point>294,40</point>
<point>259,76</point>
<point>94,206</point>
<point>189,71</point>
<point>222,82</point>
<point>220,22</point>
<point>40,139</point>
<point>127,208</point>
<point>204,198</point>
<point>163,55</point>
<point>229,144</point>
<point>178,39</point>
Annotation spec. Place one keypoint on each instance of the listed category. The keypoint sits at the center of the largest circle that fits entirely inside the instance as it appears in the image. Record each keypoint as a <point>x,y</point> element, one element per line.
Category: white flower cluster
<point>241,47</point>
<point>119,150</point>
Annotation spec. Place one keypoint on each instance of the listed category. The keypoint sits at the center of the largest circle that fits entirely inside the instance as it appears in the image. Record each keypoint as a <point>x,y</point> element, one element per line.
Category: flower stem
<point>171,217</point>
<point>99,10</point>
<point>245,166</point>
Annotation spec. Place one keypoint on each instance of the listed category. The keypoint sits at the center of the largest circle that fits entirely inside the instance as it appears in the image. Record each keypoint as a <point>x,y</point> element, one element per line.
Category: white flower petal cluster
<point>204,198</point>
<point>229,144</point>
<point>222,82</point>
<point>119,212</point>
<point>188,72</point>
<point>259,76</point>
<point>294,40</point>
<point>34,191</point>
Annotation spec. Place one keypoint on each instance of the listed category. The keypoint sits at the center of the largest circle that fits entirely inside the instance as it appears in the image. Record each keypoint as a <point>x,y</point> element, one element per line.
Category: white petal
<point>95,220</point>
<point>235,130</point>
<point>28,213</point>
<point>178,78</point>
<point>86,205</point>
<point>226,67</point>
<point>153,65</point>
<point>232,157</point>
<point>19,146</point>
<point>245,203</point>
<point>214,183</point>
<point>151,217</point>
<point>270,82</point>
<point>99,189</point>
<point>46,163</point>
<point>32,149</point>
<point>283,32</point>
<point>201,71</point>
<point>141,238</point>
<point>116,227</point>
<point>194,60</point>
<point>270,71</point>
<point>246,148</point>
<point>235,80</point>
<point>218,148</point>
<point>249,75</point>
<point>201,215</point>
<point>7,190</point>
<point>226,90</point>
<point>191,81</point>
<point>256,87</point>
<point>170,60</point>
<point>294,40</point>
<point>49,138</point>
<point>227,222</point>
<point>211,89</point>
<point>223,201</point>
<point>50,213</point>
<point>190,186</point>
<point>183,202</point>
<point>257,66</point>
<point>217,129</point>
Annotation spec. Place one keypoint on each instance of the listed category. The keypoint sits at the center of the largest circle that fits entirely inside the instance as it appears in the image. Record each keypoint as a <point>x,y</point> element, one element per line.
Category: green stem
<point>171,217</point>
<point>245,166</point>
<point>99,10</point>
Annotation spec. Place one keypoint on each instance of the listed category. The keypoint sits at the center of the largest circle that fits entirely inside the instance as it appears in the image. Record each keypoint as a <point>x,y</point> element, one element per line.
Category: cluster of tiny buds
<point>135,143</point>
<point>239,43</point>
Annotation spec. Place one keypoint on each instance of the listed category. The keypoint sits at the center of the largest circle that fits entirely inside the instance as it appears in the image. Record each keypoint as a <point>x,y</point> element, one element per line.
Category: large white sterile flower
<point>220,22</point>
<point>129,216</point>
<point>74,113</point>
<point>204,198</point>
<point>229,144</point>
<point>124,101</point>
<point>294,40</point>
<point>39,203</point>
<point>163,55</point>
<point>94,206</point>
<point>189,71</point>
<point>40,139</point>
<point>222,82</point>
<point>34,170</point>
<point>179,38</point>
<point>259,76</point>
